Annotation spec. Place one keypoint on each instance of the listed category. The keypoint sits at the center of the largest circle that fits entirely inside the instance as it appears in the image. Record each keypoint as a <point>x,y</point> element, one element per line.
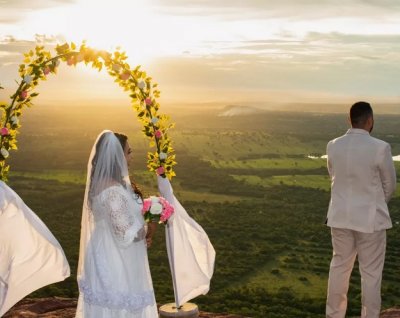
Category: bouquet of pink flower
<point>157,209</point>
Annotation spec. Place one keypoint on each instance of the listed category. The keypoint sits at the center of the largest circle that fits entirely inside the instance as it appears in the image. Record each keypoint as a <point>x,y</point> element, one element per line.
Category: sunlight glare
<point>132,25</point>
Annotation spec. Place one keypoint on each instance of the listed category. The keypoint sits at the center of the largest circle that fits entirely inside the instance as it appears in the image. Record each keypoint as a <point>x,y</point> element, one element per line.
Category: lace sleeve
<point>124,227</point>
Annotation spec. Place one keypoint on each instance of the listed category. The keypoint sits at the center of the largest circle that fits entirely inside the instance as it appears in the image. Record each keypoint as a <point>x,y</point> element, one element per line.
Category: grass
<point>63,176</point>
<point>234,144</point>
<point>304,283</point>
<point>305,181</point>
<point>207,197</point>
<point>278,163</point>
<point>273,276</point>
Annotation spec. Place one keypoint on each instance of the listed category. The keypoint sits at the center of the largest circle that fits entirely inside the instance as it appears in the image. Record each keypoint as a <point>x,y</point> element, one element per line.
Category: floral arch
<point>39,63</point>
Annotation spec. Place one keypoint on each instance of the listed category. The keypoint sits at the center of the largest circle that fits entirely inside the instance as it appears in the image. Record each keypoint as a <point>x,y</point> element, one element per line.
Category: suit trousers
<point>370,249</point>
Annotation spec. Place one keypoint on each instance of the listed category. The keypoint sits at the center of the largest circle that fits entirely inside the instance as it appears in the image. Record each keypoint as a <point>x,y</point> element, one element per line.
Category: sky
<point>249,52</point>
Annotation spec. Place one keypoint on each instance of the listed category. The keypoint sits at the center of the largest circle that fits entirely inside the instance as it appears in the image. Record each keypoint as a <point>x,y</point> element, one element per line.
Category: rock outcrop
<point>57,307</point>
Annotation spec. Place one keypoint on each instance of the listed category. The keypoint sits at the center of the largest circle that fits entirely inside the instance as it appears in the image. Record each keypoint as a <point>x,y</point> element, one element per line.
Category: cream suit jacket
<point>363,180</point>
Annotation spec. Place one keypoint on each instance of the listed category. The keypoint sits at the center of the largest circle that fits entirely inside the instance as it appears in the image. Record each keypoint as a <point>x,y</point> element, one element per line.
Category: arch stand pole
<point>187,310</point>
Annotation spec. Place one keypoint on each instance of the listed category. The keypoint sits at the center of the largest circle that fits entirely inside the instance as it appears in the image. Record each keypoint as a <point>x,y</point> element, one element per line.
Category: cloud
<point>13,11</point>
<point>13,45</point>
<point>234,47</point>
<point>298,9</point>
<point>12,50</point>
<point>251,75</point>
<point>33,5</point>
<point>315,48</point>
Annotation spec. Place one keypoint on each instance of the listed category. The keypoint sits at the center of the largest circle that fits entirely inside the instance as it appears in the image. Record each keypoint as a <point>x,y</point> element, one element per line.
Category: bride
<point>113,271</point>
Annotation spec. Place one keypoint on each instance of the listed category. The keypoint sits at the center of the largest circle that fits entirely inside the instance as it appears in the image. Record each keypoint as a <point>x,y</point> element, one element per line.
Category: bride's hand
<point>141,235</point>
<point>151,228</point>
<point>149,241</point>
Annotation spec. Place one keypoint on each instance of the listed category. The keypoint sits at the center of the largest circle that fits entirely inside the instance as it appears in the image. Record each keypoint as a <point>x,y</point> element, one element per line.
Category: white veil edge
<point>110,156</point>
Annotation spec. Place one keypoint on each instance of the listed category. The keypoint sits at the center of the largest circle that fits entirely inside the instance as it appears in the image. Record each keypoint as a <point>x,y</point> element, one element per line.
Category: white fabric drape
<point>30,256</point>
<point>190,252</point>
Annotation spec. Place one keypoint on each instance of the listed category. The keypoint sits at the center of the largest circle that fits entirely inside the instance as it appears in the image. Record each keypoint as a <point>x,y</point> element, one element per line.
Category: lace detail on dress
<point>102,270</point>
<point>124,226</point>
<point>116,300</point>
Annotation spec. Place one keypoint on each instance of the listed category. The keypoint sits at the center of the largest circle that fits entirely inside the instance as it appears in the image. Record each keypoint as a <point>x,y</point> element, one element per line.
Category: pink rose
<point>164,218</point>
<point>46,70</point>
<point>160,170</point>
<point>167,211</point>
<point>23,94</point>
<point>158,134</point>
<point>125,76</point>
<point>148,101</point>
<point>4,131</point>
<point>146,205</point>
<point>163,202</point>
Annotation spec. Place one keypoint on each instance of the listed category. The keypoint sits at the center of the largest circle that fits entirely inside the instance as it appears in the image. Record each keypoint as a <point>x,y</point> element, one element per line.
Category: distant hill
<point>242,109</point>
<point>235,110</point>
<point>379,108</point>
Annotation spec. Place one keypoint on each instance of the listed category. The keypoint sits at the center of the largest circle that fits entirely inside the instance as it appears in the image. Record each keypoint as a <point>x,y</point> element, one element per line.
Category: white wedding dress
<point>115,279</point>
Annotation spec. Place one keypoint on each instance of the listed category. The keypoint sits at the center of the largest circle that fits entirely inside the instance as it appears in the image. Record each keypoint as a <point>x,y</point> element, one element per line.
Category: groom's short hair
<point>359,113</point>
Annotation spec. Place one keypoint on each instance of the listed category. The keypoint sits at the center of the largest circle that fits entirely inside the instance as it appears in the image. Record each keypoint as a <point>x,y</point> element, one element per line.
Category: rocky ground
<point>56,307</point>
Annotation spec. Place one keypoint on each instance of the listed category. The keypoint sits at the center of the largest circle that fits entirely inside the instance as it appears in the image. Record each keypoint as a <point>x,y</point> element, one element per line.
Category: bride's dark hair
<point>123,139</point>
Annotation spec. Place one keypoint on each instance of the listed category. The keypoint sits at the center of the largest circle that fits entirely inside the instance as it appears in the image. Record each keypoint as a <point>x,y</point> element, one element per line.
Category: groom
<point>363,180</point>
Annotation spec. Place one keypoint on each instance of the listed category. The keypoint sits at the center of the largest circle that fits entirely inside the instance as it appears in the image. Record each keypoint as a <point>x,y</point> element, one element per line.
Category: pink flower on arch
<point>125,76</point>
<point>23,94</point>
<point>4,131</point>
<point>160,170</point>
<point>148,101</point>
<point>46,70</point>
<point>158,134</point>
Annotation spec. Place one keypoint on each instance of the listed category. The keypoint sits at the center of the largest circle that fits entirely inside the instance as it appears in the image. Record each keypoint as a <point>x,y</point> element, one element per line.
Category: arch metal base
<point>187,310</point>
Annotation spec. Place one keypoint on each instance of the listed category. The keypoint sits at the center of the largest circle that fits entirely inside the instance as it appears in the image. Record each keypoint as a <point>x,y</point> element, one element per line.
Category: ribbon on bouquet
<point>190,252</point>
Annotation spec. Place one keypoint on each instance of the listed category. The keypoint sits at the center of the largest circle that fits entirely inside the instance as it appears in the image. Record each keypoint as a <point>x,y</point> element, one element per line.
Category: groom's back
<point>357,197</point>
